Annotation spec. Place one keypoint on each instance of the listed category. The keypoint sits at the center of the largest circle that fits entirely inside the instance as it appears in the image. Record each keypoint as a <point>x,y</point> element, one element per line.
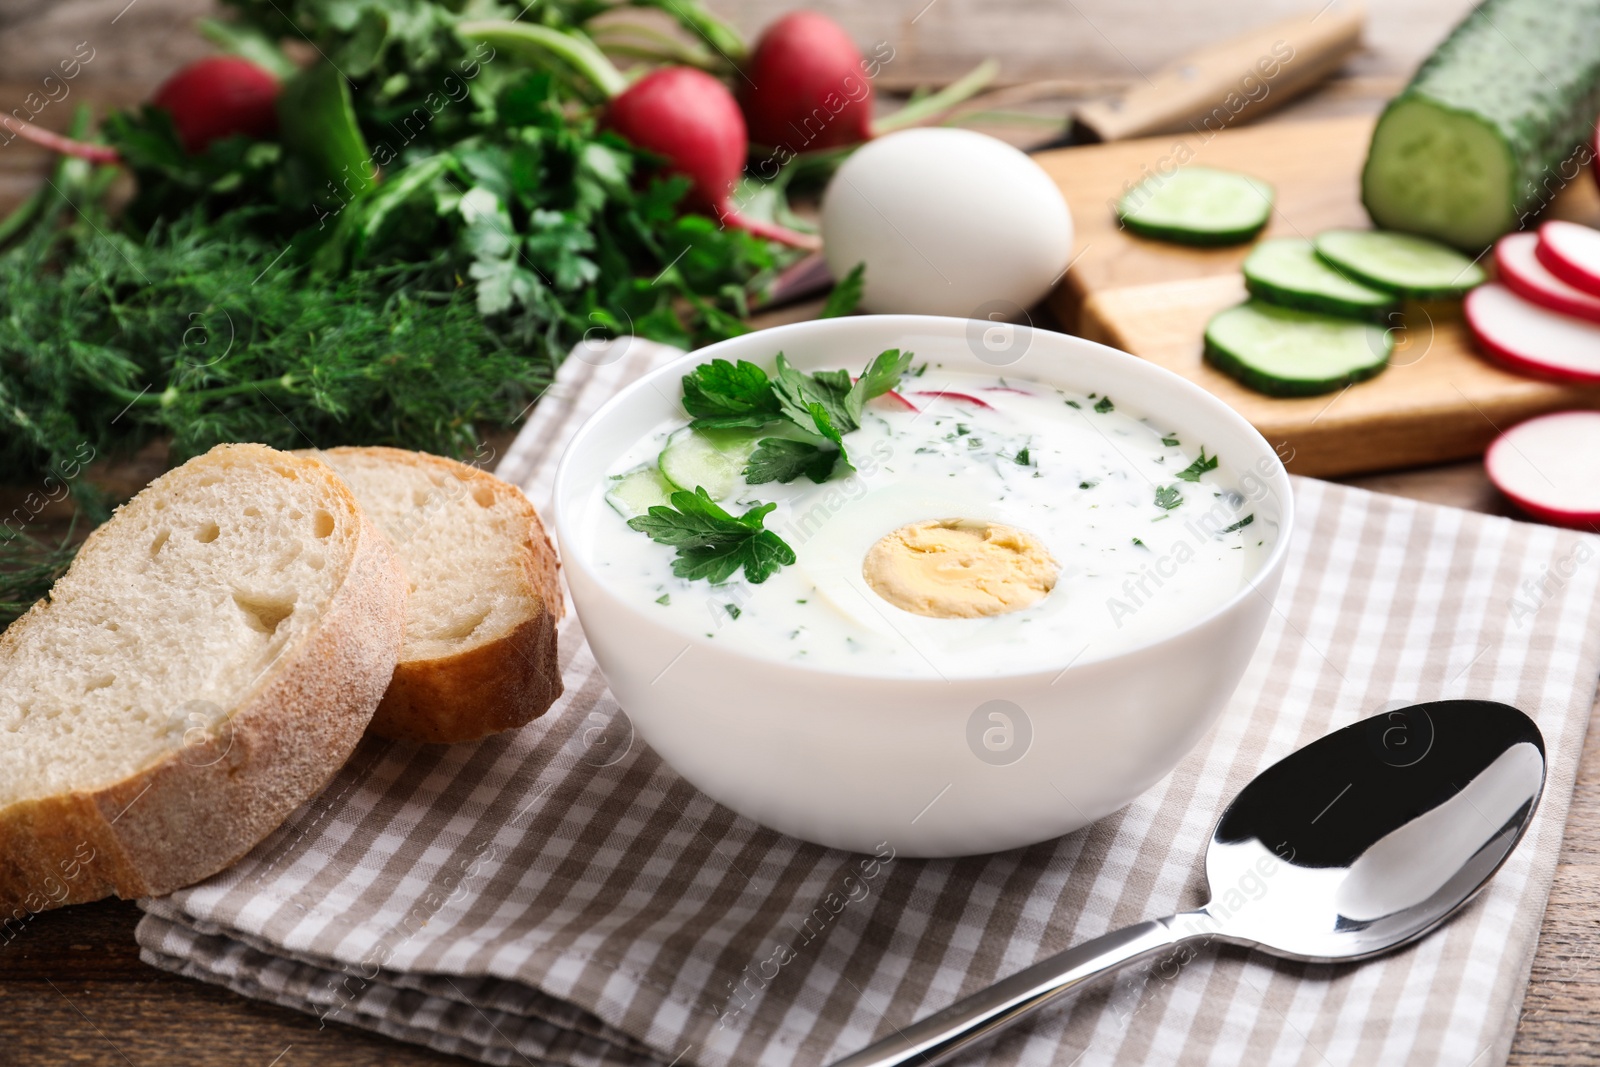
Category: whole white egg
<point>948,222</point>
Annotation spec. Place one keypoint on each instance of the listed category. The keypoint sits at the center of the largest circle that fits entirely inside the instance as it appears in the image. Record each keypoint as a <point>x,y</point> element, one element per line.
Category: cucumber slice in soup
<point>1197,206</point>
<point>637,491</point>
<point>1411,266</point>
<point>712,460</point>
<point>1285,352</point>
<point>1288,272</point>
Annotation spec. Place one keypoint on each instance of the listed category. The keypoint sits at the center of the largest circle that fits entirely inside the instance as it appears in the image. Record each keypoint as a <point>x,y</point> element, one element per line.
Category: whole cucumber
<point>1493,124</point>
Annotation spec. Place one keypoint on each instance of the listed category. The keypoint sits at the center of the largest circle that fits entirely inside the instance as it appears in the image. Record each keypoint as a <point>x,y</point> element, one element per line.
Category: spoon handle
<point>985,1013</point>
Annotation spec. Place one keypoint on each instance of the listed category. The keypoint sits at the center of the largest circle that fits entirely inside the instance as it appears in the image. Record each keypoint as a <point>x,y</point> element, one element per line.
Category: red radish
<point>1547,467</point>
<point>1516,256</point>
<point>1530,338</point>
<point>218,97</point>
<point>900,401</point>
<point>804,86</point>
<point>964,398</point>
<point>689,118</point>
<point>1572,253</point>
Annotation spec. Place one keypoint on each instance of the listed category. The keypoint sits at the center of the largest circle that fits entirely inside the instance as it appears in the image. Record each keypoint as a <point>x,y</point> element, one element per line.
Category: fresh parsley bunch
<point>817,410</point>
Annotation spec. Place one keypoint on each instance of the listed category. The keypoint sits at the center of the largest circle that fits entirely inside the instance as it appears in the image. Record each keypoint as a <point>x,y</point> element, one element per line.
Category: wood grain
<point>1439,400</point>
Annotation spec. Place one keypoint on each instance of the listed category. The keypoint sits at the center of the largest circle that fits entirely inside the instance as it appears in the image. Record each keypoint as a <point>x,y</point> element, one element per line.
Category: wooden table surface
<point>72,988</point>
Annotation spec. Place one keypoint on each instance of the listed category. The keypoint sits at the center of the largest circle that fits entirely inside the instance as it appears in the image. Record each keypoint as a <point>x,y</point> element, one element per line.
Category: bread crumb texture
<point>464,538</point>
<point>173,611</point>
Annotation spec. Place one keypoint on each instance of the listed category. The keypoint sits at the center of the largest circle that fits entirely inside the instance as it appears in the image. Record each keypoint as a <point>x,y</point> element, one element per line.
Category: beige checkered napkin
<point>558,895</point>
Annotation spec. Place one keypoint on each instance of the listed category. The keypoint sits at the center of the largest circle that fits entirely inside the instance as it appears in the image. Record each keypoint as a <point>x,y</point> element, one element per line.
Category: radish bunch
<point>1543,315</point>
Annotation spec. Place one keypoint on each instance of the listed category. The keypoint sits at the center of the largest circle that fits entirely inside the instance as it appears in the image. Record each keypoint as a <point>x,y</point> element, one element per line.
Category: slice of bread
<point>480,647</point>
<point>209,661</point>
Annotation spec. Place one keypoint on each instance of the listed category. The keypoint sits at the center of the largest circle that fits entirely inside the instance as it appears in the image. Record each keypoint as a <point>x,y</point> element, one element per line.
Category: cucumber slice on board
<point>712,460</point>
<point>1529,338</point>
<point>1285,352</point>
<point>1516,255</point>
<point>1412,266</point>
<point>1572,253</point>
<point>1485,132</point>
<point>1197,206</point>
<point>1288,272</point>
<point>637,491</point>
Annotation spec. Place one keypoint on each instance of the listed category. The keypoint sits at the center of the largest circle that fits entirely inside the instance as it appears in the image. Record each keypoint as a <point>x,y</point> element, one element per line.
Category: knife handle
<point>1234,81</point>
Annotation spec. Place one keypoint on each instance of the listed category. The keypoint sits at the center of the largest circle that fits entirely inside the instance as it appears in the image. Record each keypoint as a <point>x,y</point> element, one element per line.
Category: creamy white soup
<point>1145,529</point>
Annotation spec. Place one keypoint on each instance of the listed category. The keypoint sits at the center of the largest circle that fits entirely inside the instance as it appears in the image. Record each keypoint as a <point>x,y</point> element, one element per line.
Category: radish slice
<point>1530,338</point>
<point>1572,253</point>
<point>899,401</point>
<point>1517,257</point>
<point>967,398</point>
<point>1546,466</point>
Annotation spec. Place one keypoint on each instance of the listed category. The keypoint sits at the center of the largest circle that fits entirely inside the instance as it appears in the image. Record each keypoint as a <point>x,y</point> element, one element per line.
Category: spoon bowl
<point>1358,843</point>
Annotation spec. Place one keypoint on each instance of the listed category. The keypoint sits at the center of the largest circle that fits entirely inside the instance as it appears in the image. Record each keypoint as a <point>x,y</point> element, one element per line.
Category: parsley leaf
<point>1168,497</point>
<point>713,544</point>
<point>1170,440</point>
<point>1193,471</point>
<point>796,392</point>
<point>846,294</point>
<point>1023,457</point>
<point>881,375</point>
<point>722,390</point>
<point>1241,524</point>
<point>1104,405</point>
<point>779,459</point>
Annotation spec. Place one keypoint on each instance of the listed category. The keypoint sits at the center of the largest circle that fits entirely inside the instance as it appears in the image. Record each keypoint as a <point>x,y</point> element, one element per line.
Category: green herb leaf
<point>1168,497</point>
<point>797,392</point>
<point>779,459</point>
<point>1103,405</point>
<point>721,390</point>
<point>1170,441</point>
<point>880,376</point>
<point>846,294</point>
<point>1023,457</point>
<point>1241,524</point>
<point>713,544</point>
<point>1193,471</point>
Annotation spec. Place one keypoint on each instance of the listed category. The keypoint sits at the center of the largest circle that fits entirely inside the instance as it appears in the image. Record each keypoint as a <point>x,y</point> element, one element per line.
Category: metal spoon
<point>1358,843</point>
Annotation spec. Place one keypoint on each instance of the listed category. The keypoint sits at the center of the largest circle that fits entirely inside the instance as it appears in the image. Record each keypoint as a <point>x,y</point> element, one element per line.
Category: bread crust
<point>501,684</point>
<point>199,809</point>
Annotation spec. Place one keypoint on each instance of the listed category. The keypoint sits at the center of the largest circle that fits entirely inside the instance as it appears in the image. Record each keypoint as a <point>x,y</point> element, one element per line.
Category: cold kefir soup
<point>906,520</point>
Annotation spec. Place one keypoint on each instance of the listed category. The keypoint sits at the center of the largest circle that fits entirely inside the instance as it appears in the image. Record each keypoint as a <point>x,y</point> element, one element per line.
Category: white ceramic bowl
<point>853,762</point>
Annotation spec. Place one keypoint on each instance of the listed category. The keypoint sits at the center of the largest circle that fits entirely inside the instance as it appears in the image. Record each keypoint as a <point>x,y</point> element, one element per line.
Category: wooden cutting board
<point>1439,400</point>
